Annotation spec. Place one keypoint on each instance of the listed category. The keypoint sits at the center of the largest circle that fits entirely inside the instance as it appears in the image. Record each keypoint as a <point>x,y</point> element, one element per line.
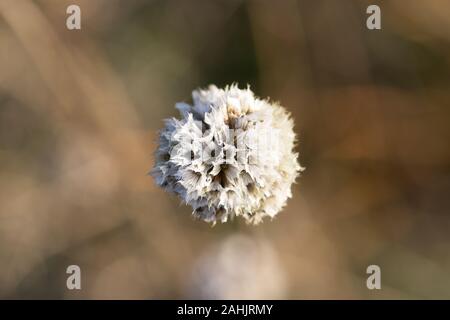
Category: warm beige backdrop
<point>80,110</point>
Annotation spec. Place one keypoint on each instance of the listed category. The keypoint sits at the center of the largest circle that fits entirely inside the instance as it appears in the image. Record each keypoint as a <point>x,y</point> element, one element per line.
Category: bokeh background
<point>80,112</point>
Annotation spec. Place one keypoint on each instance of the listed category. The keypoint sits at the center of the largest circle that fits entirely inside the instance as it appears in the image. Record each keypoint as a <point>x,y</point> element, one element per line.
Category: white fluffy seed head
<point>231,154</point>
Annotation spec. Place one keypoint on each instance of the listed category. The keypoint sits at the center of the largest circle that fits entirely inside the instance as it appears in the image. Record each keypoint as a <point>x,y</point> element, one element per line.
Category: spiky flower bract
<point>231,154</point>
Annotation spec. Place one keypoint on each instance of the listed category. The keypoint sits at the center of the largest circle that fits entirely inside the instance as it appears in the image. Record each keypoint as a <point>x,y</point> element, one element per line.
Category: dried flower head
<point>231,154</point>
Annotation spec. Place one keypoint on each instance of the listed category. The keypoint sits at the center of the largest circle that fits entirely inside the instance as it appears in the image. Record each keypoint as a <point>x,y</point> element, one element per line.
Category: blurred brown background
<point>80,111</point>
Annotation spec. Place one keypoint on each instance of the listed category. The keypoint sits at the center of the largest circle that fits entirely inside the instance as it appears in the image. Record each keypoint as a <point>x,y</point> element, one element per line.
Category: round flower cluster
<point>231,154</point>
